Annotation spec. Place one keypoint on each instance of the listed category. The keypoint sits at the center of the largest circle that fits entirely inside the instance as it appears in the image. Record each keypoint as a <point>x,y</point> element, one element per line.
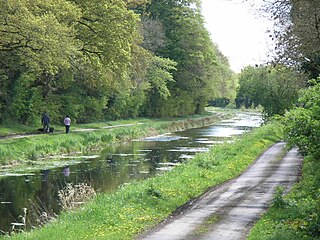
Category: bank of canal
<point>114,166</point>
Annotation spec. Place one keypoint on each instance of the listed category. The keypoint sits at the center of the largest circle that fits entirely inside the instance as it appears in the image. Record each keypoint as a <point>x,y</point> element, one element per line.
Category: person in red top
<point>67,123</point>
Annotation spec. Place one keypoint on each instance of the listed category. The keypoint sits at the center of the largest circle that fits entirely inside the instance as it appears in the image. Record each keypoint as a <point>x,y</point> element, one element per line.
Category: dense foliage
<point>103,59</point>
<point>296,33</point>
<point>275,88</point>
<point>302,124</point>
<point>295,60</point>
<point>199,62</point>
<point>297,215</point>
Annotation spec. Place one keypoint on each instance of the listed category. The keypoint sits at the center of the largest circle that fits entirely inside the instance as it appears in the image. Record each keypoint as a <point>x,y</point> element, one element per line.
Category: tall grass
<point>140,205</point>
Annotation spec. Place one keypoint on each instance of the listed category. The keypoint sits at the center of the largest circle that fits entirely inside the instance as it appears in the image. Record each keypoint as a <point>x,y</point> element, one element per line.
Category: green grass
<point>204,227</point>
<point>6,130</point>
<point>142,204</point>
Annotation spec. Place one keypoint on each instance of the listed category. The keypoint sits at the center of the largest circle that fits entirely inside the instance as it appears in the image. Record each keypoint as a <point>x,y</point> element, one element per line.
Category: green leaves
<point>274,88</point>
<point>99,56</point>
<point>159,74</point>
<point>107,30</point>
<point>71,47</point>
<point>38,33</point>
<point>302,124</point>
<point>188,43</point>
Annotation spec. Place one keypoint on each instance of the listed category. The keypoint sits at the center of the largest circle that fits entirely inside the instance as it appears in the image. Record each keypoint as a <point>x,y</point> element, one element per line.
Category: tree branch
<point>87,25</point>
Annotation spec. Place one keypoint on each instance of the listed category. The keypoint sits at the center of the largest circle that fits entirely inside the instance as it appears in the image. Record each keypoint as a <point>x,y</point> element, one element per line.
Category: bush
<point>302,124</point>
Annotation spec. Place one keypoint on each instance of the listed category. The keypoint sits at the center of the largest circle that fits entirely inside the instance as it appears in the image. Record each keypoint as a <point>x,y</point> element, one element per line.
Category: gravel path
<point>228,211</point>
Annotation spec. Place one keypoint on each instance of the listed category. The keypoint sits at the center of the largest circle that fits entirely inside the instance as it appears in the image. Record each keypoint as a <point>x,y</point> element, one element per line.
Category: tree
<point>302,124</point>
<point>154,37</point>
<point>274,88</point>
<point>306,26</point>
<point>106,58</point>
<point>37,40</point>
<point>297,33</point>
<point>64,50</point>
<point>158,76</point>
<point>107,30</point>
<point>188,43</point>
<point>224,83</point>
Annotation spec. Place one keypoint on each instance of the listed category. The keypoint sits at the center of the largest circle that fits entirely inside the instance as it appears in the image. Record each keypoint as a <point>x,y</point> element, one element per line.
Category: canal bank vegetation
<point>140,205</point>
<point>297,215</point>
<point>39,149</point>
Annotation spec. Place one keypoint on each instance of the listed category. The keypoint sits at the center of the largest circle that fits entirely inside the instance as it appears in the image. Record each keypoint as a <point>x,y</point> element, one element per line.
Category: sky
<point>237,30</point>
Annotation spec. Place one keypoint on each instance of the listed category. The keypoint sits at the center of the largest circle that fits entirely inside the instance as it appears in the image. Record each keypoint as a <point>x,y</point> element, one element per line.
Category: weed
<point>278,200</point>
<point>33,156</point>
<point>73,196</point>
<point>39,215</point>
<point>151,191</point>
<point>20,226</point>
<point>205,226</point>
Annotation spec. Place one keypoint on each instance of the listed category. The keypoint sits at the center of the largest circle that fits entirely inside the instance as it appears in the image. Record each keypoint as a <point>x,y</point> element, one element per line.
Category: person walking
<point>67,123</point>
<point>45,122</point>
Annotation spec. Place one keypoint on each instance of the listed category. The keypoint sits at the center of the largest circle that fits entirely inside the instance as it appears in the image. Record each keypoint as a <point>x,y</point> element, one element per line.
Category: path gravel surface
<point>229,211</point>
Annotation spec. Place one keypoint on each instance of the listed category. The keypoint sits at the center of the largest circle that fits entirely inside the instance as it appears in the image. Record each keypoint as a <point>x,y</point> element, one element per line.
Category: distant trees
<point>200,68</point>
<point>275,88</point>
<point>297,57</point>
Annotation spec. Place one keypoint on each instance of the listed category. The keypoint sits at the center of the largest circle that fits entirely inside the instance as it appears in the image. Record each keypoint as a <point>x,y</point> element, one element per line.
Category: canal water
<point>113,167</point>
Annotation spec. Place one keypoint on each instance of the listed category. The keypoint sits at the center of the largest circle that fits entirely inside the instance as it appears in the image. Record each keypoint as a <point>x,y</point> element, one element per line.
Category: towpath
<point>229,211</point>
<point>24,135</point>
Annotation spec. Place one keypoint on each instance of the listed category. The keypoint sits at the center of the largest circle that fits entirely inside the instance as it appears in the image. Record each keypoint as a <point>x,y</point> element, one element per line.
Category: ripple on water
<point>164,138</point>
<point>186,156</point>
<point>190,150</point>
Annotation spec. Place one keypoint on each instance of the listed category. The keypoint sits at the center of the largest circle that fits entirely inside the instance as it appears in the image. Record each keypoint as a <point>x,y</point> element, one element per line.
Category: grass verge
<point>140,205</point>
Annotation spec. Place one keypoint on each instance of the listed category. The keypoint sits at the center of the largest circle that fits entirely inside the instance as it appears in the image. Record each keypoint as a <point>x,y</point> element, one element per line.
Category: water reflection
<point>66,171</point>
<point>114,166</point>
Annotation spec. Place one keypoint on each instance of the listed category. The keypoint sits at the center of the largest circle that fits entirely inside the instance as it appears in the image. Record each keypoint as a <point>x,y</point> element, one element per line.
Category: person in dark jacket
<point>45,122</point>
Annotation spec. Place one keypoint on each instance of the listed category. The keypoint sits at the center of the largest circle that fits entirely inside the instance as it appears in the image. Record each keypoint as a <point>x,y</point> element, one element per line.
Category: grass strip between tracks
<point>140,205</point>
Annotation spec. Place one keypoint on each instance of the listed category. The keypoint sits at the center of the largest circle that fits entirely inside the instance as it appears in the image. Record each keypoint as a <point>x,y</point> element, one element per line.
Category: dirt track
<point>229,211</point>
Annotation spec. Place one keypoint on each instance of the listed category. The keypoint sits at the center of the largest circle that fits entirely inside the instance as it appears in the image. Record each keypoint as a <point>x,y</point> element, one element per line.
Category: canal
<point>113,167</point>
